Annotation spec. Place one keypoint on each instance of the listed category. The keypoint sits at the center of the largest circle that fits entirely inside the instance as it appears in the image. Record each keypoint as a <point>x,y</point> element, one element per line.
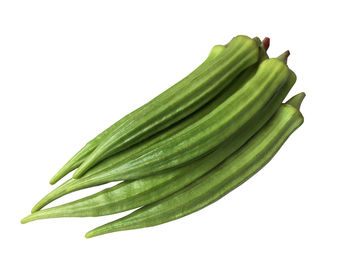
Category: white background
<point>69,69</point>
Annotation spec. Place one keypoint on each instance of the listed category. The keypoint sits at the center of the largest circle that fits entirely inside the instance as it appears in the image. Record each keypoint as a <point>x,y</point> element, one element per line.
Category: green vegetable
<point>177,102</point>
<point>189,146</point>
<point>103,172</point>
<point>79,157</point>
<point>132,194</point>
<point>227,176</point>
<point>131,152</point>
<point>201,137</point>
<point>296,100</point>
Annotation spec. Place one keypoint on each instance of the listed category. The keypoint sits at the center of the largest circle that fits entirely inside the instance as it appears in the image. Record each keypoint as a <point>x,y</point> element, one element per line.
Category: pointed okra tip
<point>88,235</point>
<point>296,100</point>
<point>91,234</point>
<point>53,181</point>
<point>284,56</point>
<point>25,220</point>
<point>101,230</point>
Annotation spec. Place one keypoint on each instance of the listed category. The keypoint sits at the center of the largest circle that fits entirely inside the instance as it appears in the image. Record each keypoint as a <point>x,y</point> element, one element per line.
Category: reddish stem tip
<point>287,53</point>
<point>266,43</point>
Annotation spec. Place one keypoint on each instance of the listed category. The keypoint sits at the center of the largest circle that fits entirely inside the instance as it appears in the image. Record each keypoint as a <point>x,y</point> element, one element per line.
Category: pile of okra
<point>187,147</point>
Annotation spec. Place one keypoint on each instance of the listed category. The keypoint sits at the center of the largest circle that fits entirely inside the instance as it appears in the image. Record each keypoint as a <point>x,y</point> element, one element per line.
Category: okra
<point>202,137</point>
<point>195,169</point>
<point>133,194</point>
<point>175,103</point>
<point>101,170</point>
<point>80,156</point>
<point>234,171</point>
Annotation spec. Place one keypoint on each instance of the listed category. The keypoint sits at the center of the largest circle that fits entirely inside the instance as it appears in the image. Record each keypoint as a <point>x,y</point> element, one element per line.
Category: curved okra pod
<point>80,156</point>
<point>132,194</point>
<point>102,170</point>
<point>218,182</point>
<point>201,137</point>
<point>131,152</point>
<point>175,103</point>
<point>137,193</point>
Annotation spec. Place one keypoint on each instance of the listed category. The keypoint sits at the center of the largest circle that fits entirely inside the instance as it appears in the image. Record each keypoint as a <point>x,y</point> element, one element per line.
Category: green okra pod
<point>80,156</point>
<point>129,195</point>
<point>101,170</point>
<point>215,184</point>
<point>172,105</point>
<point>133,194</point>
<point>201,137</point>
